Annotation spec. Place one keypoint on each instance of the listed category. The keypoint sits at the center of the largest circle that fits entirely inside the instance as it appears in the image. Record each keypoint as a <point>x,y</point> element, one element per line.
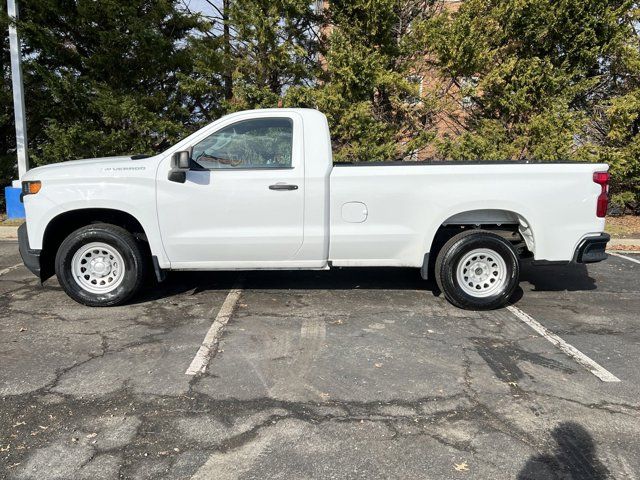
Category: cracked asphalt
<point>341,374</point>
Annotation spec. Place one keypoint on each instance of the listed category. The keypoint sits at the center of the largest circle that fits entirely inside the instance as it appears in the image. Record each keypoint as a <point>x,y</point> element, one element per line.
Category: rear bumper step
<point>592,249</point>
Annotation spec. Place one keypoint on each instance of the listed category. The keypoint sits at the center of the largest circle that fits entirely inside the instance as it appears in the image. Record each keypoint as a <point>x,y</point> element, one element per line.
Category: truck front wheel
<point>100,265</point>
<point>477,270</point>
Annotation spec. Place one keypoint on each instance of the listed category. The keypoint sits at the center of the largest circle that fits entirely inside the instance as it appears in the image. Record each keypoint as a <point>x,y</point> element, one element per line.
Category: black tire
<point>117,238</point>
<point>454,251</point>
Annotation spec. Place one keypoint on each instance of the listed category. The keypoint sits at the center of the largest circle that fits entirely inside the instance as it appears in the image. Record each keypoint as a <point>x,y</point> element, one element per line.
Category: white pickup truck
<point>259,190</point>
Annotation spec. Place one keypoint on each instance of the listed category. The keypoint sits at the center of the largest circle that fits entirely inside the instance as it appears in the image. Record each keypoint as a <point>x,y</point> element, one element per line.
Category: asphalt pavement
<point>364,373</point>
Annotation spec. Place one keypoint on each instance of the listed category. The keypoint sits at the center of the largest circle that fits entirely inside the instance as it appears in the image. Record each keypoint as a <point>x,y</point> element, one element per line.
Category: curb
<point>635,242</point>
<point>624,245</point>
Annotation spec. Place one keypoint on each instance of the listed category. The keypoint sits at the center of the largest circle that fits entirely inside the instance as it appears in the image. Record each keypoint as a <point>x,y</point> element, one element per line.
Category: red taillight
<point>602,179</point>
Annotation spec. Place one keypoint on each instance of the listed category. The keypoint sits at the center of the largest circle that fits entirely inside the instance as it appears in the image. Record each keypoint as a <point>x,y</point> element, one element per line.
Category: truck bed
<point>554,205</point>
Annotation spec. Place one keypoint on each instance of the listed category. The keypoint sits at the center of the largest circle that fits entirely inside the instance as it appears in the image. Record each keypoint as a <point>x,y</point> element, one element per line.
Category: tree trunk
<point>228,75</point>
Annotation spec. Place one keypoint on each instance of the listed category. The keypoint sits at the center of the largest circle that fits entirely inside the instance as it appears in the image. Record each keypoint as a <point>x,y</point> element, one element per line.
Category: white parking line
<point>203,355</point>
<point>7,270</point>
<point>635,260</point>
<point>568,349</point>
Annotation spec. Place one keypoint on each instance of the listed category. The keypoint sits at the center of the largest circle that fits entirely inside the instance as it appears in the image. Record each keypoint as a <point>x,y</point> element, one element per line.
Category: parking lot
<point>341,374</point>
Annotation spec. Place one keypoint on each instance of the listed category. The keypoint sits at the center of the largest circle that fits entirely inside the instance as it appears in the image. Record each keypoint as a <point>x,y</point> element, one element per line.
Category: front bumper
<point>31,258</point>
<point>592,249</point>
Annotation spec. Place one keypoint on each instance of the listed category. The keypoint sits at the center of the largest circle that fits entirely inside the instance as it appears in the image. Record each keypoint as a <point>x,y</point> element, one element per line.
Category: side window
<point>257,143</point>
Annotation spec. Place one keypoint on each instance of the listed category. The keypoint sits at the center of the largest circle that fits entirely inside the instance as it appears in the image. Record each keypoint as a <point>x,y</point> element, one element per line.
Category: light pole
<point>18,90</point>
<point>15,208</point>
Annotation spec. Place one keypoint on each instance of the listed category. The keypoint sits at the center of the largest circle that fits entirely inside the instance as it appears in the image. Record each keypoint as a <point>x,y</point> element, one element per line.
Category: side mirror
<point>180,163</point>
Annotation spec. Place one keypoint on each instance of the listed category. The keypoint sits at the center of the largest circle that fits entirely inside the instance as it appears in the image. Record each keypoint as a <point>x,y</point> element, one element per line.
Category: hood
<point>89,167</point>
<point>85,162</point>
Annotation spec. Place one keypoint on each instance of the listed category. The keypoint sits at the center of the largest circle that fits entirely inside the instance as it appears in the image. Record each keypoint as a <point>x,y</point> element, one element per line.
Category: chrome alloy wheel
<point>481,273</point>
<point>98,267</point>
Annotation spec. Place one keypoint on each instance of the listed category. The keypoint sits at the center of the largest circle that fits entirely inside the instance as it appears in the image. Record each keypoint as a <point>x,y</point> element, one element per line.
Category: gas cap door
<point>354,212</point>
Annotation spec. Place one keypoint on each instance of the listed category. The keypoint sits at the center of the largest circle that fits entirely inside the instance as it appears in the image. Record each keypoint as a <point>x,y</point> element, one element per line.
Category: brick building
<point>448,118</point>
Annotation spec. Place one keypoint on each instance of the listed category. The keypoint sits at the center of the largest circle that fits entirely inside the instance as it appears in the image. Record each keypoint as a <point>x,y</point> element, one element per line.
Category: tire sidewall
<point>455,254</point>
<point>87,235</point>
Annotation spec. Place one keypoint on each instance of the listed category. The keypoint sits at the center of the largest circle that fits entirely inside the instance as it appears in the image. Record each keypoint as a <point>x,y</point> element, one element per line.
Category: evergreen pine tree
<point>368,87</point>
<point>552,80</point>
<point>103,77</point>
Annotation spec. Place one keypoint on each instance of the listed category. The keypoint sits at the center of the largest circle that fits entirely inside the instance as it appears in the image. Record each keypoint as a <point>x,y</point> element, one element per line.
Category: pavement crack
<point>605,406</point>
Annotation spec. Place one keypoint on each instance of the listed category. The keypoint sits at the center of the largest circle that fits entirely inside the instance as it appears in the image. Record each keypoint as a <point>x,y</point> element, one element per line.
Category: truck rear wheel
<point>477,270</point>
<point>100,265</point>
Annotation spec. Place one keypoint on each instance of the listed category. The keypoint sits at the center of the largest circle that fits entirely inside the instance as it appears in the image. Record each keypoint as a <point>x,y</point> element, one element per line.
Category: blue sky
<point>200,5</point>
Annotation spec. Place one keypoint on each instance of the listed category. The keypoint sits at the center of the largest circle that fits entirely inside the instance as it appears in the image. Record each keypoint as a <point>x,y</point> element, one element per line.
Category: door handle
<point>283,186</point>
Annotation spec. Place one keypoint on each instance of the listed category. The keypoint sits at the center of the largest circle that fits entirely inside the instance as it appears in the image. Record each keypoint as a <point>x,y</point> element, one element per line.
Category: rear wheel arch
<point>477,270</point>
<point>509,224</point>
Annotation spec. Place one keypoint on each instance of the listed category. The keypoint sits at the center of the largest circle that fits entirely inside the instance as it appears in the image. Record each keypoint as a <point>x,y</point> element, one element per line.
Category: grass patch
<point>7,222</point>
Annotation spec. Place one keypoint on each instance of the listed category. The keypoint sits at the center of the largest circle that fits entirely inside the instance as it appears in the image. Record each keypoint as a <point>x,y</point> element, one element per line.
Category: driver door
<point>241,205</point>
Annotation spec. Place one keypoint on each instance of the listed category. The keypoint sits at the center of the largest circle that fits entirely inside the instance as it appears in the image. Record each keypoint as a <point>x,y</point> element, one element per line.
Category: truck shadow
<point>574,457</point>
<point>547,278</point>
<point>557,278</point>
<point>338,279</point>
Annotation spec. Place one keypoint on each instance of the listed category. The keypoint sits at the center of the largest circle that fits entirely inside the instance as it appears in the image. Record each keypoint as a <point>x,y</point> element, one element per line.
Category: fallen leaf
<point>377,365</point>
<point>461,467</point>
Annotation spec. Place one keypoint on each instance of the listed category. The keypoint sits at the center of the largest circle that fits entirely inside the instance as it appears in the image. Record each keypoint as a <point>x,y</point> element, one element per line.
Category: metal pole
<point>18,90</point>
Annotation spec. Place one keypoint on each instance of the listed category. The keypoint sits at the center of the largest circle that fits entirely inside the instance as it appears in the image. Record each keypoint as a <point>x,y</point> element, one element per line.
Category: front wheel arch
<point>60,226</point>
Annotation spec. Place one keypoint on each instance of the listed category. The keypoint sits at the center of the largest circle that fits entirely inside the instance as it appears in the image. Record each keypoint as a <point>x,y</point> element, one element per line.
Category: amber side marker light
<point>31,188</point>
